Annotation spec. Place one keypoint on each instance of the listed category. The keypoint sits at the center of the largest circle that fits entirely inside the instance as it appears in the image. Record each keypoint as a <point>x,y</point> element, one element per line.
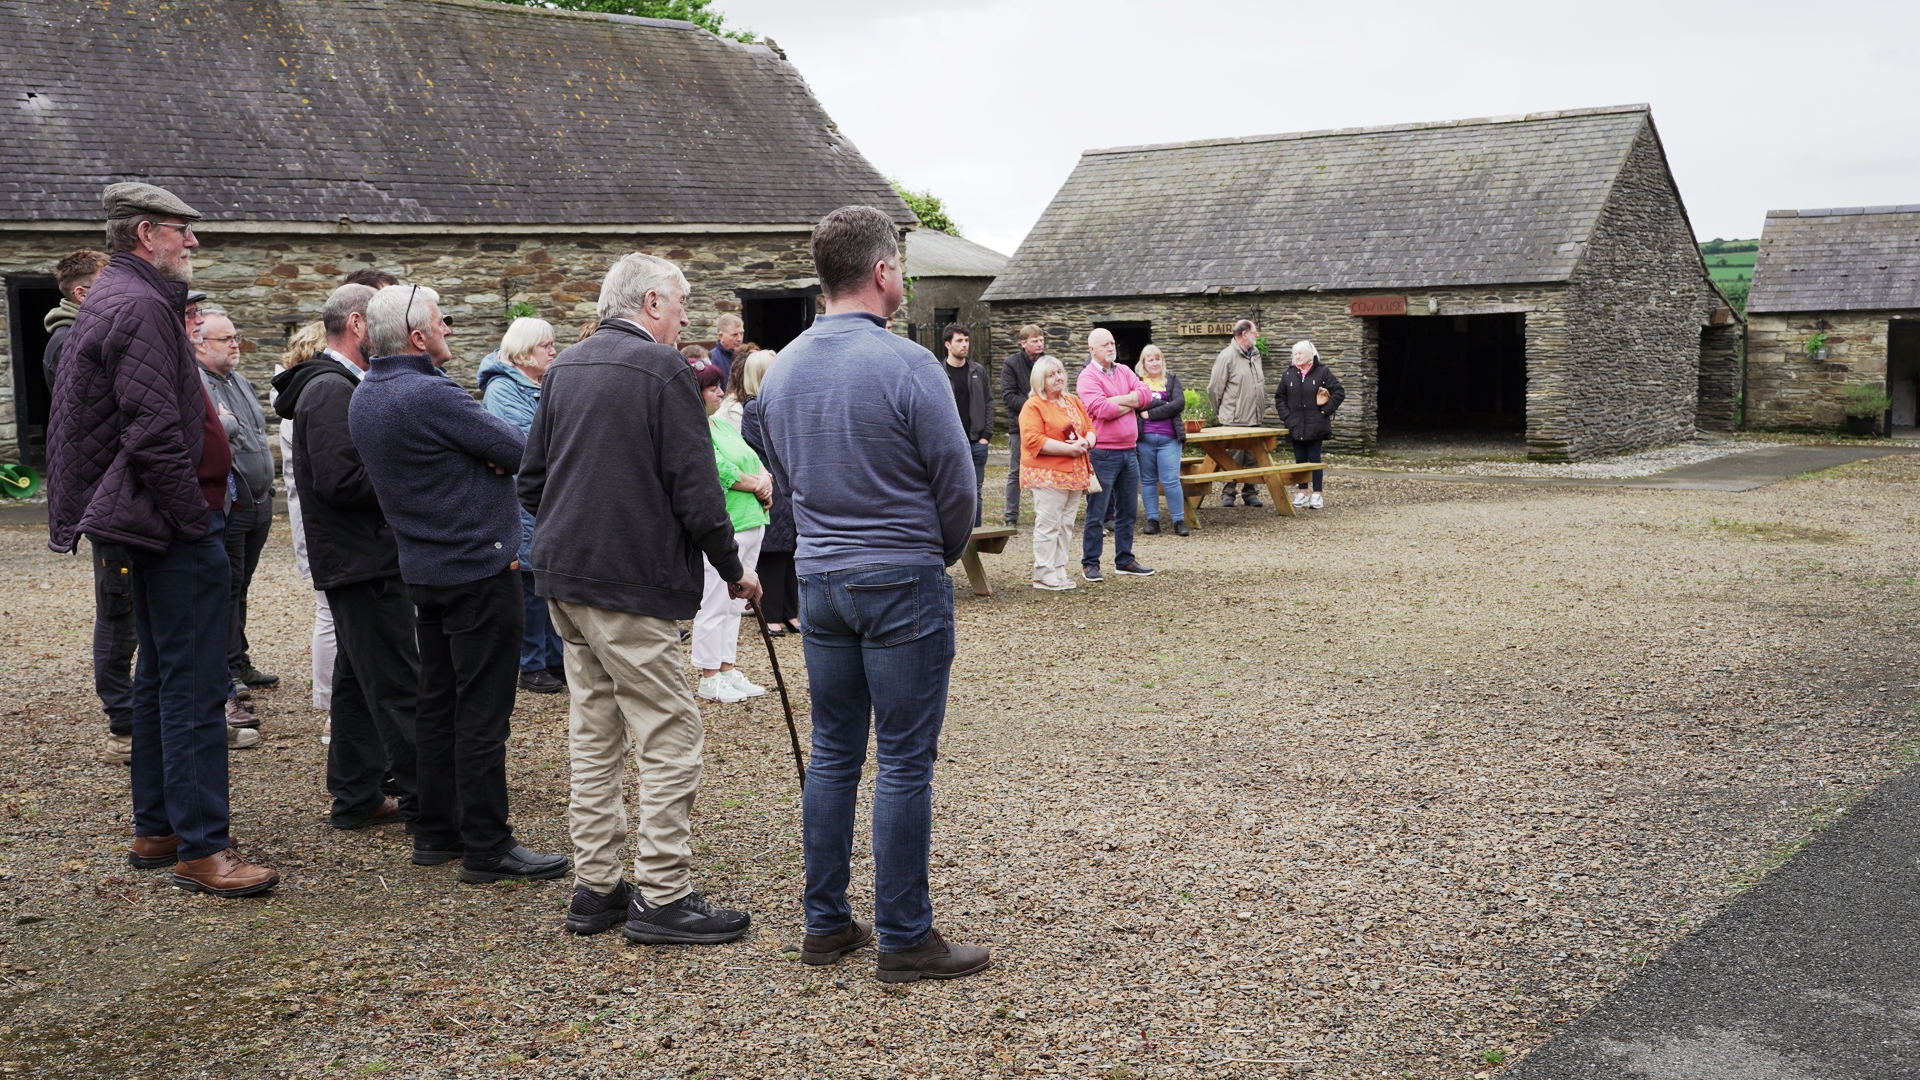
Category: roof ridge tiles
<point>1846,211</point>
<point>1378,129</point>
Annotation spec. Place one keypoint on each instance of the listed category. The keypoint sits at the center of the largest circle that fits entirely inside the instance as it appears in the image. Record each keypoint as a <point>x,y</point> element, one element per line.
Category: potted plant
<point>1198,413</point>
<point>1817,346</point>
<point>1865,402</point>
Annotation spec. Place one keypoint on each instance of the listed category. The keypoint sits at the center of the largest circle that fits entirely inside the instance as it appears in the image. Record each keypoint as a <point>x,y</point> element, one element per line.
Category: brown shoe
<point>387,814</point>
<point>933,958</point>
<point>154,852</point>
<point>829,949</point>
<point>238,716</point>
<point>224,873</point>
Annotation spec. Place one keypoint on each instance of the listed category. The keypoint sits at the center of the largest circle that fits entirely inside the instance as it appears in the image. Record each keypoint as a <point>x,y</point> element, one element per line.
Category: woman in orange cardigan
<point>1056,435</point>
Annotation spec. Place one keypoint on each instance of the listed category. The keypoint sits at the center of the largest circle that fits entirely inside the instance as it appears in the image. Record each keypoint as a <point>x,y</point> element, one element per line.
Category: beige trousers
<point>1053,514</point>
<point>629,692</point>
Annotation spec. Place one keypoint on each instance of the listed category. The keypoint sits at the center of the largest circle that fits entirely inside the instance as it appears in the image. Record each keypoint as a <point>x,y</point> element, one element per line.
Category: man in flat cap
<point>137,456</point>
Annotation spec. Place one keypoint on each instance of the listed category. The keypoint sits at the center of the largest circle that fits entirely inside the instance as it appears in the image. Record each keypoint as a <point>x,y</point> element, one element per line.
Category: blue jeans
<point>180,687</point>
<point>879,643</point>
<point>1160,471</point>
<point>1119,473</point>
<point>980,478</point>
<point>539,642</point>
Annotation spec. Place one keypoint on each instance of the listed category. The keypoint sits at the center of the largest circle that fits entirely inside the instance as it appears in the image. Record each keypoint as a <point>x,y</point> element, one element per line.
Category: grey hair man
<point>251,519</point>
<point>1238,391</point>
<point>619,471</point>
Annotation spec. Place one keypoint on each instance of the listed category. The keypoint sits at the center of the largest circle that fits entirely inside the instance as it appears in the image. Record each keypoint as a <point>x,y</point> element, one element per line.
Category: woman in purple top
<point>1162,437</point>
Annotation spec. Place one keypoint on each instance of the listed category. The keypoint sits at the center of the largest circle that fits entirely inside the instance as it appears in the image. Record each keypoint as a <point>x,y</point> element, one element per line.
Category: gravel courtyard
<point>1389,790</point>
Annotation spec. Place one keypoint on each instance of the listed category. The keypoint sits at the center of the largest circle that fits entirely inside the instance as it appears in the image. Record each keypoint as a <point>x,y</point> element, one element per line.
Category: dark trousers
<point>180,692</point>
<point>469,649</point>
<point>980,451</point>
<point>779,586</point>
<point>1309,451</point>
<point>246,537</point>
<point>879,651</point>
<point>376,684</point>
<point>1013,472</point>
<point>1247,488</point>
<point>1119,473</point>
<point>540,645</point>
<point>113,636</point>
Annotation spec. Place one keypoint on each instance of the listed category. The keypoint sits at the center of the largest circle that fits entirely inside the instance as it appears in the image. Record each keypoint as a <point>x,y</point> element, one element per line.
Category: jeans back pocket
<point>886,611</point>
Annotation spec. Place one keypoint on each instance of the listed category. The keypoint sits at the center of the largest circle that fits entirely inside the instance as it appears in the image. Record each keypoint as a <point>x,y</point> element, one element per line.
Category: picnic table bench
<point>992,540</point>
<point>1198,475</point>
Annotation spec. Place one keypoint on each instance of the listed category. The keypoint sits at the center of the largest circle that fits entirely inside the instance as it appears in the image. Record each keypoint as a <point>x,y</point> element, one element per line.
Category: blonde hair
<point>1041,368</point>
<point>746,386</point>
<point>1152,350</point>
<point>521,338</point>
<point>304,344</point>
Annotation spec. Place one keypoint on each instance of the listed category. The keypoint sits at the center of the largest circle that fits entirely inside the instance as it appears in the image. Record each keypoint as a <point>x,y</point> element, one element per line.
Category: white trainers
<point>1299,500</point>
<point>742,683</point>
<point>720,688</point>
<point>1317,502</point>
<point>242,738</point>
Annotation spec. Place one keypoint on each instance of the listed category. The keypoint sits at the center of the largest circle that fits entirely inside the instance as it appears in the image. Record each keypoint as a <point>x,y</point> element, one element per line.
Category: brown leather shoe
<point>224,873</point>
<point>829,949</point>
<point>154,852</point>
<point>933,958</point>
<point>387,814</point>
<point>239,716</point>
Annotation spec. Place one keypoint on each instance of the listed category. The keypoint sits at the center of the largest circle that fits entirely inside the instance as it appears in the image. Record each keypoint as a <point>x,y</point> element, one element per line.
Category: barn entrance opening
<point>1454,378</point>
<point>774,317</point>
<point>1128,339</point>
<point>29,298</point>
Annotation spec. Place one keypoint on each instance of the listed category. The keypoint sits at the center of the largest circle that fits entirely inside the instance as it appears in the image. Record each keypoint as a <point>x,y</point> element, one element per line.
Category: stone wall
<point>1789,390</point>
<point>1721,375</point>
<point>272,283</point>
<point>932,293</point>
<point>1629,376</point>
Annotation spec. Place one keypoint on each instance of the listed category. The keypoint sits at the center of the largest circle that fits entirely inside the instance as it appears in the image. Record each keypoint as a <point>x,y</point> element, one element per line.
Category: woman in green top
<point>716,628</point>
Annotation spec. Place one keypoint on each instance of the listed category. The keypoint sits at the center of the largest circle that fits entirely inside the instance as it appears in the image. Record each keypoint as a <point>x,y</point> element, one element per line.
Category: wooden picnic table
<point>1198,475</point>
<point>992,540</point>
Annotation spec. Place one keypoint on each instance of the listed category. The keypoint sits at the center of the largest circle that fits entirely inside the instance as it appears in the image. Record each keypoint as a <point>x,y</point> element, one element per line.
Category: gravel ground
<point>1391,789</point>
<point>1492,455</point>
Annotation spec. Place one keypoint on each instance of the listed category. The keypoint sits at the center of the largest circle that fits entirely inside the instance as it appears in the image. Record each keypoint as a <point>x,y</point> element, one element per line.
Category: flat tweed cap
<point>132,199</point>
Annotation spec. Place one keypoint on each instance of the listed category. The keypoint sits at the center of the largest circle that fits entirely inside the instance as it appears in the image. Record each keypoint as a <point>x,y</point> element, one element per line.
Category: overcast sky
<point>988,103</point>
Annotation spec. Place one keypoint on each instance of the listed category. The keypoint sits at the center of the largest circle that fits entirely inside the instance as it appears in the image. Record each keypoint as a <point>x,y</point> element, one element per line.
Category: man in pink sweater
<point>1113,395</point>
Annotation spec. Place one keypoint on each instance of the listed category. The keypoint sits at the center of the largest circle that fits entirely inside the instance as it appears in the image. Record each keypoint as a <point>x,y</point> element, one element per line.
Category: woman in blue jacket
<point>510,389</point>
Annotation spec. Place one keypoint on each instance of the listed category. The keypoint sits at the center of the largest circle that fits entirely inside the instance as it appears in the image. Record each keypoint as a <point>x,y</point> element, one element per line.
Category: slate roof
<point>931,253</point>
<point>1850,259</point>
<point>412,111</point>
<point>1506,200</point>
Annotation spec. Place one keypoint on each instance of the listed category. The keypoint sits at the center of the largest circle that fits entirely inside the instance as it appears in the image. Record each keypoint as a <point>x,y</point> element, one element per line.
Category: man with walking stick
<point>883,500</point>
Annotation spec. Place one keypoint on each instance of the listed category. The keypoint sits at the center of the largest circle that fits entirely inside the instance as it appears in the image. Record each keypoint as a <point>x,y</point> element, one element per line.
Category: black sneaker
<point>1135,568</point>
<point>1152,526</point>
<point>591,913</point>
<point>540,681</point>
<point>1226,500</point>
<point>1251,499</point>
<point>516,865</point>
<point>1180,529</point>
<point>253,676</point>
<point>558,673</point>
<point>689,920</point>
<point>437,854</point>
<point>1092,573</point>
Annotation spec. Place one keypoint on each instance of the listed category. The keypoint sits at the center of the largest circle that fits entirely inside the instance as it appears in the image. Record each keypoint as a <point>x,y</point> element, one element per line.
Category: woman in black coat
<point>1308,396</point>
<point>779,584</point>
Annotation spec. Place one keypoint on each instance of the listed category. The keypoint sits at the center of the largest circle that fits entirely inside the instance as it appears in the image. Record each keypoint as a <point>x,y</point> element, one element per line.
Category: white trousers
<point>323,652</point>
<point>1053,514</point>
<point>716,628</point>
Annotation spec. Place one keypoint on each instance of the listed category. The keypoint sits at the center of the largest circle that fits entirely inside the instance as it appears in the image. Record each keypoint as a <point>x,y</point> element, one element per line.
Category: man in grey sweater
<point>217,347</point>
<point>883,501</point>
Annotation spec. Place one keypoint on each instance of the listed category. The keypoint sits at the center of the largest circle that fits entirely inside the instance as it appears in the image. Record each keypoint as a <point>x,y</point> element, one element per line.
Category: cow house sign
<point>1358,306</point>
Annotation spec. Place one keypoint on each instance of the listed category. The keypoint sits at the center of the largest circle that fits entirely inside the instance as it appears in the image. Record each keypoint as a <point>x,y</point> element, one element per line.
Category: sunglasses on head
<point>407,319</point>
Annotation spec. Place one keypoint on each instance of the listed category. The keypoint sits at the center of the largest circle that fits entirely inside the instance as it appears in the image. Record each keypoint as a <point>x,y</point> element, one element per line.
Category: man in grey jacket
<point>217,347</point>
<point>1238,391</point>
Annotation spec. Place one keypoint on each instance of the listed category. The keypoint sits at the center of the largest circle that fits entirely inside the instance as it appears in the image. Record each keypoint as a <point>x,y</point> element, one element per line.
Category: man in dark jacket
<point>251,519</point>
<point>1016,385</point>
<point>137,457</point>
<point>969,381</point>
<point>619,469</point>
<point>351,552</point>
<point>442,466</point>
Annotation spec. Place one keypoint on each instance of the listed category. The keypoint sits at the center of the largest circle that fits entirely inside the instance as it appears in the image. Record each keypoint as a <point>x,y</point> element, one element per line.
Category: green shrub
<point>1199,408</point>
<point>1866,399</point>
<point>522,309</point>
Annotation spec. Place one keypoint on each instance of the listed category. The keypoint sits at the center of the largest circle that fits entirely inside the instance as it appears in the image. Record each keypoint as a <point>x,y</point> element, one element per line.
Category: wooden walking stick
<point>773,657</point>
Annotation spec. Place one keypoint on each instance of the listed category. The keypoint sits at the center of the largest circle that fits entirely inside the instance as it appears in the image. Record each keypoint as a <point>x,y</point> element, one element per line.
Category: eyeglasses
<point>186,230</point>
<point>225,340</point>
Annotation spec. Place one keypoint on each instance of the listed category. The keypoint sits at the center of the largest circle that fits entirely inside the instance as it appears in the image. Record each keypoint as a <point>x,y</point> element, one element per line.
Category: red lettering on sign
<point>1377,305</point>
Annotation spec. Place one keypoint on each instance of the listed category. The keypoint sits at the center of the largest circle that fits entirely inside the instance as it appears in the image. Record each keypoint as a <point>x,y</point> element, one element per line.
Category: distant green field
<point>1729,266</point>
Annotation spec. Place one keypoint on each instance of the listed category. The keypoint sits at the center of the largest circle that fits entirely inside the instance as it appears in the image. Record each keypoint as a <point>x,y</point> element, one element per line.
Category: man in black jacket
<point>969,382</point>
<point>1016,385</point>
<point>351,550</point>
<point>619,470</point>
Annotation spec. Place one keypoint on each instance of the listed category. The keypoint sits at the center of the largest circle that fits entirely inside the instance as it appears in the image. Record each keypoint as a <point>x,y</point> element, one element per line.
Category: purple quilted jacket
<point>127,429</point>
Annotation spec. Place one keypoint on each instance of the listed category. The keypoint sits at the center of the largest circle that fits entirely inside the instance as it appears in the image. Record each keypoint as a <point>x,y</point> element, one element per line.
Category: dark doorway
<point>1453,371</point>
<point>1903,376</point>
<point>1128,339</point>
<point>774,317</point>
<point>28,301</point>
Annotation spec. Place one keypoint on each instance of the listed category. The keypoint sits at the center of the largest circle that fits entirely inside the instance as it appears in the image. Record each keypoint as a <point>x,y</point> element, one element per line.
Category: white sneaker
<point>720,688</point>
<point>1317,502</point>
<point>242,738</point>
<point>1299,500</point>
<point>743,684</point>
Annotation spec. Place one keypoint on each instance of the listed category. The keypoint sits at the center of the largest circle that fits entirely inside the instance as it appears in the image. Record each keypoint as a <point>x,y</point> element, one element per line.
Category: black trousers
<point>469,664</point>
<point>376,684</point>
<point>114,639</point>
<point>246,537</point>
<point>779,587</point>
<point>1306,451</point>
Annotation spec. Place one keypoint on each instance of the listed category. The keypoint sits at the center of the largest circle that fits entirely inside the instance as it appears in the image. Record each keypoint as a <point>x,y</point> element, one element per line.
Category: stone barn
<point>949,274</point>
<point>1533,273</point>
<point>501,154</point>
<point>1835,302</point>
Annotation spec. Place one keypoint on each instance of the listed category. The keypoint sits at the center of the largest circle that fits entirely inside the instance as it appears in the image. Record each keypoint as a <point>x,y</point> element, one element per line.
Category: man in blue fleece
<point>883,501</point>
<point>442,467</point>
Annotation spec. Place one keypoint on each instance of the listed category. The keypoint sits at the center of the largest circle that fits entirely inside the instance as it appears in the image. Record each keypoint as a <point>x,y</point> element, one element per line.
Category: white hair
<point>523,334</point>
<point>1305,348</point>
<point>624,292</point>
<point>394,313</point>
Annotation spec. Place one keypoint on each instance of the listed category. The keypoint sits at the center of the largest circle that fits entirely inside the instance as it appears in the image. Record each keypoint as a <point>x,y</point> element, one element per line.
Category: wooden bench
<point>992,540</point>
